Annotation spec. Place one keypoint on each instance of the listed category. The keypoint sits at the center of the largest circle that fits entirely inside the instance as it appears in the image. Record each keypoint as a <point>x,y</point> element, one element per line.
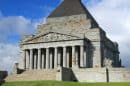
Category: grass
<point>56,83</point>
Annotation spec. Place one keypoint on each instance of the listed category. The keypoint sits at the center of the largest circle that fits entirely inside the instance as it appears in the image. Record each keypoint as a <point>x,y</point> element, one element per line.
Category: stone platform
<point>33,75</point>
<point>76,74</point>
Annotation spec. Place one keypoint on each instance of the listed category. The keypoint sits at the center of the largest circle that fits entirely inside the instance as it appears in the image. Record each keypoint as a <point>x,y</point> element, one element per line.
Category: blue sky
<point>32,9</point>
<point>20,17</point>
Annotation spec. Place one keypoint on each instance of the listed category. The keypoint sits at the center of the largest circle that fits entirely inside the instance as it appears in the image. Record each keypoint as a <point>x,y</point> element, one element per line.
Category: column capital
<point>73,45</point>
<point>47,47</point>
<point>31,49</point>
<point>64,47</point>
<point>24,49</point>
<point>56,47</point>
<point>39,48</point>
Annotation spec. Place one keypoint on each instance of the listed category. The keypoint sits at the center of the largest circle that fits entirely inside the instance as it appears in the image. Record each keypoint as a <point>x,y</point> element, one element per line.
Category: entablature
<point>50,37</point>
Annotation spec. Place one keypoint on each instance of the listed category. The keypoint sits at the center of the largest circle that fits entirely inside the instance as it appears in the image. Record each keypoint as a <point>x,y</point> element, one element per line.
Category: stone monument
<point>70,46</point>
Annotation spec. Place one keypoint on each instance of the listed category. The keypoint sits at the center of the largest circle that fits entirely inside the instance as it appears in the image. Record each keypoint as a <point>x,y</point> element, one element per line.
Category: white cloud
<point>17,25</point>
<point>9,54</point>
<point>114,17</point>
<point>9,26</point>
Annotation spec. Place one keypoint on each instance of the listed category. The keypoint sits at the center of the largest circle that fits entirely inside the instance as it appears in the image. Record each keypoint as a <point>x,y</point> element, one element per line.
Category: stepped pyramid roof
<point>68,8</point>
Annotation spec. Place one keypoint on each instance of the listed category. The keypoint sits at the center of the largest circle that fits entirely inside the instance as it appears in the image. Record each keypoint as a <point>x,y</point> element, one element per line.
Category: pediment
<point>52,37</point>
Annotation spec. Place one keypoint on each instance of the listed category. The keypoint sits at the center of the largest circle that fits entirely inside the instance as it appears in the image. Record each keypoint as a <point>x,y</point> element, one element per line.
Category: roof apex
<point>68,8</point>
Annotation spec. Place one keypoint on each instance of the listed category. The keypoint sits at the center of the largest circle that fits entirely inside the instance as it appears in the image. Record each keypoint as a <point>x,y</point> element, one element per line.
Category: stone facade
<point>72,37</point>
<point>72,44</point>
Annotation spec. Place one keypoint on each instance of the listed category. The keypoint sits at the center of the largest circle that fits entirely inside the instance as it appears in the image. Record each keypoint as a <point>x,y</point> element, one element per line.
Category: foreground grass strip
<point>56,83</point>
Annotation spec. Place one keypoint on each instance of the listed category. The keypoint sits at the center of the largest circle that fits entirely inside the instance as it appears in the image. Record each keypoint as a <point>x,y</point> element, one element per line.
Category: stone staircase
<point>32,75</point>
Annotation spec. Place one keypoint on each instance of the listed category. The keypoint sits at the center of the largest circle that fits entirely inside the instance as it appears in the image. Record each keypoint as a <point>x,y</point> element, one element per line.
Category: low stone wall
<point>119,75</point>
<point>90,74</point>
<point>102,75</point>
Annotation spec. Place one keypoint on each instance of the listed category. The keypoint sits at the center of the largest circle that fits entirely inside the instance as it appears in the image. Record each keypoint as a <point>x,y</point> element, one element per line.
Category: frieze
<point>52,36</point>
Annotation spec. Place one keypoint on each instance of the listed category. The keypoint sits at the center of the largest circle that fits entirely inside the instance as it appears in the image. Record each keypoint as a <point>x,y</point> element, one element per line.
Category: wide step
<point>33,75</point>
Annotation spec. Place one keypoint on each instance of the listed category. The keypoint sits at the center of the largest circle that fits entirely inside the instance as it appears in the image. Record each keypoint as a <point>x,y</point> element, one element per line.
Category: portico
<point>50,57</point>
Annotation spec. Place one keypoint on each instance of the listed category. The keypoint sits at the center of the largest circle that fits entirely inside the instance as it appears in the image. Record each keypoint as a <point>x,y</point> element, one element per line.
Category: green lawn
<point>56,83</point>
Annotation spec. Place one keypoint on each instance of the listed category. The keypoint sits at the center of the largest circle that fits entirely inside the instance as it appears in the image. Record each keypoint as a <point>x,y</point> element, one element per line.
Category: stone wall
<point>102,75</point>
<point>75,74</point>
<point>90,75</point>
<point>73,25</point>
<point>119,75</point>
<point>65,74</point>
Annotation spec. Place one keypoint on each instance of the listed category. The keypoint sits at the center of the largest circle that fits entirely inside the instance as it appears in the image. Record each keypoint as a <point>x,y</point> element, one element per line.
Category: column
<point>64,57</point>
<point>27,59</point>
<point>81,55</point>
<point>31,59</point>
<point>24,58</point>
<point>55,58</point>
<point>76,56</point>
<point>68,57</point>
<point>51,59</point>
<point>59,58</point>
<point>47,58</point>
<point>39,59</point>
<point>43,60</point>
<point>35,61</point>
<point>73,56</point>
<point>85,57</point>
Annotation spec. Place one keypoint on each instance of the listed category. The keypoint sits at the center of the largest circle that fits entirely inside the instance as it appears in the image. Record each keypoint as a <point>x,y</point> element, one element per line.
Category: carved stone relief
<point>52,37</point>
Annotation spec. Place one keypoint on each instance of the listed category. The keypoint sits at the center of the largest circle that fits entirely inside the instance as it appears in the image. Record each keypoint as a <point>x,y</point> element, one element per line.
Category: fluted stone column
<point>39,59</point>
<point>73,57</point>
<point>76,56</point>
<point>35,61</point>
<point>24,58</point>
<point>27,59</point>
<point>81,56</point>
<point>68,58</point>
<point>59,58</point>
<point>31,59</point>
<point>85,57</point>
<point>51,59</point>
<point>55,58</point>
<point>43,60</point>
<point>47,58</point>
<point>64,57</point>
